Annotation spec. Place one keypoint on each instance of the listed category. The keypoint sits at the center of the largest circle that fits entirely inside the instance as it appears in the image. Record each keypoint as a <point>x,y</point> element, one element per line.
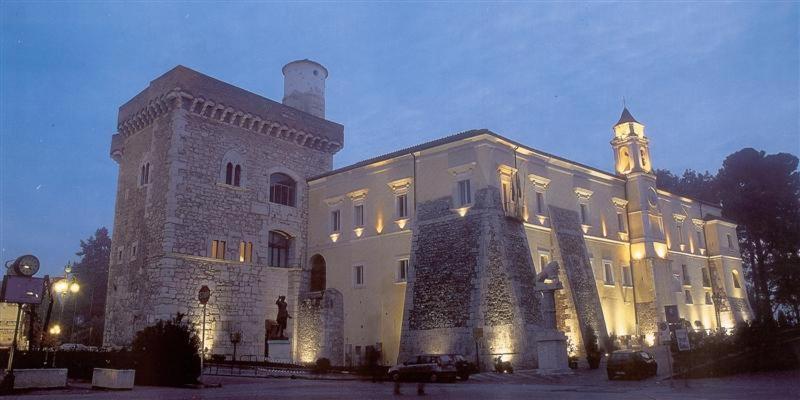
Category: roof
<point>451,139</point>
<point>626,117</point>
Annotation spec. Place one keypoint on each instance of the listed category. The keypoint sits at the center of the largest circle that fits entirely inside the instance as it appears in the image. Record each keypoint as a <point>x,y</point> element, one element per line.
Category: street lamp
<point>55,330</point>
<point>202,296</point>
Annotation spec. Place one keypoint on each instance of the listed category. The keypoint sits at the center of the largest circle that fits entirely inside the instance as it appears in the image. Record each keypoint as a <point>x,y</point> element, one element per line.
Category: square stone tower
<point>212,191</point>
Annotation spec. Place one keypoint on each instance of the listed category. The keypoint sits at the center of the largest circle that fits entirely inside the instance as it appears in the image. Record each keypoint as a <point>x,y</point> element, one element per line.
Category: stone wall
<point>471,279</point>
<point>578,270</point>
<point>320,328</point>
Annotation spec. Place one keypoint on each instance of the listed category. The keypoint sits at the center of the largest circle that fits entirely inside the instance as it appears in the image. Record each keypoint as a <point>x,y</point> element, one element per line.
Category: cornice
<point>209,109</point>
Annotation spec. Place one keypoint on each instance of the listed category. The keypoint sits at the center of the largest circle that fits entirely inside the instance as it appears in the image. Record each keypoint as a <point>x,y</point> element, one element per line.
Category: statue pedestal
<point>551,346</point>
<point>280,351</point>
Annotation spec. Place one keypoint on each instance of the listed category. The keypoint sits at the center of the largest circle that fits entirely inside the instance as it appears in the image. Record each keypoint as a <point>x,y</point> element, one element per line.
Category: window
<point>402,270</point>
<point>133,251</point>
<point>279,243</point>
<point>245,252</point>
<point>708,298</point>
<point>735,276</point>
<point>730,240</point>
<point>621,222</point>
<point>282,189</point>
<point>608,269</point>
<point>700,243</point>
<point>358,215</point>
<point>229,174</point>
<point>706,277</point>
<point>335,221</point>
<point>464,193</point>
<point>688,294</point>
<point>144,176</point>
<point>685,272</point>
<point>540,203</point>
<point>317,280</point>
<point>627,279</point>
<point>680,233</point>
<point>119,254</point>
<point>544,259</point>
<point>237,175</point>
<point>218,249</point>
<point>233,174</point>
<point>358,275</point>
<point>584,214</point>
<point>402,206</point>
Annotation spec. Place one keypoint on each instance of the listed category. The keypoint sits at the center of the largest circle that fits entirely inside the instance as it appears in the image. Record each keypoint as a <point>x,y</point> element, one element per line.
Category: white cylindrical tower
<point>304,86</point>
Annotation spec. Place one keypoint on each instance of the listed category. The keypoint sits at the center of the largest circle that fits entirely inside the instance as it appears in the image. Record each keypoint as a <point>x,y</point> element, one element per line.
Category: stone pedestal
<point>104,378</point>
<point>552,348</point>
<point>280,351</point>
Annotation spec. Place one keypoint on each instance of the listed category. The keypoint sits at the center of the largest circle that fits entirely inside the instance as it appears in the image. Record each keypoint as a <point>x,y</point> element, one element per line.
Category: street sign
<point>682,337</point>
<point>204,294</point>
<point>672,314</point>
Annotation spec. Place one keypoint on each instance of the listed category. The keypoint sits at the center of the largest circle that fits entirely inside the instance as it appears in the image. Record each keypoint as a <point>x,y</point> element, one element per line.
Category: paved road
<point>582,386</point>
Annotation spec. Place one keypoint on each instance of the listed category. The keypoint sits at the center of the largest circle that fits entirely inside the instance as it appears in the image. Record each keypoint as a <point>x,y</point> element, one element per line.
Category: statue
<point>283,314</point>
<point>549,273</point>
<point>550,342</point>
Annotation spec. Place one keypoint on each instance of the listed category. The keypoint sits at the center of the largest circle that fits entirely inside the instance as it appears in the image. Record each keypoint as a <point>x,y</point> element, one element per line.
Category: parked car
<point>463,367</point>
<point>426,367</point>
<point>631,363</point>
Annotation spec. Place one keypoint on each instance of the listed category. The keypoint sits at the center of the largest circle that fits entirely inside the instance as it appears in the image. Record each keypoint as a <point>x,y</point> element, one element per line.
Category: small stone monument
<point>551,344</point>
<point>279,348</point>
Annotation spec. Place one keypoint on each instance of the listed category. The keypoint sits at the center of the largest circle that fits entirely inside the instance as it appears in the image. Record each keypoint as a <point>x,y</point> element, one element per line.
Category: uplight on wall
<point>334,237</point>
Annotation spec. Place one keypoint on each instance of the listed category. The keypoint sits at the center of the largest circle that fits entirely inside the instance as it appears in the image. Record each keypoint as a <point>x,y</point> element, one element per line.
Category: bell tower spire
<point>631,147</point>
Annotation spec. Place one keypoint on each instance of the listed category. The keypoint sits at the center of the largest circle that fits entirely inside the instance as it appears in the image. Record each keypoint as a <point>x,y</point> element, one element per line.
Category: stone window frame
<point>507,175</point>
<point>214,249</point>
<point>245,251</point>
<point>359,269</point>
<point>134,250</point>
<point>679,220</point>
<point>608,269</point>
<point>145,173</point>
<point>300,185</point>
<point>584,207</point>
<point>460,173</point>
<point>334,204</point>
<point>358,199</point>
<point>539,186</point>
<point>235,158</point>
<point>401,187</point>
<point>399,278</point>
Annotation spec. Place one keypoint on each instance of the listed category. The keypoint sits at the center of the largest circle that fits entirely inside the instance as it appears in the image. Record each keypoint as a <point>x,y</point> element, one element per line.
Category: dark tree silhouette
<point>90,303</point>
<point>167,353</point>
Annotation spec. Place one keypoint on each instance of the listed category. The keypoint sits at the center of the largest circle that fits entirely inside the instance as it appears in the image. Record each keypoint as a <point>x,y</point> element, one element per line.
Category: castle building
<point>430,249</point>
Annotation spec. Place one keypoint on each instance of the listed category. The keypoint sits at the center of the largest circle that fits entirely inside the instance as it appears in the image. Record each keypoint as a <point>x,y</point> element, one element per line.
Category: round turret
<point>304,86</point>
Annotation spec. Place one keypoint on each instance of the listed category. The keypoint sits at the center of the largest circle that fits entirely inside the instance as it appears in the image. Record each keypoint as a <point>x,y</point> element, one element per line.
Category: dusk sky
<point>706,80</point>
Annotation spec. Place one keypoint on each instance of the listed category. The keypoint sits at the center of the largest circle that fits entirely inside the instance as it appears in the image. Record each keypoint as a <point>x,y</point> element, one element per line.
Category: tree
<point>692,184</point>
<point>168,353</point>
<point>92,274</point>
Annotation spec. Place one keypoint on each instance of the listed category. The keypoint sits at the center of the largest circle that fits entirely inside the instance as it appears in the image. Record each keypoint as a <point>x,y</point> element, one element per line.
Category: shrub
<point>590,344</point>
<point>322,366</point>
<point>167,353</point>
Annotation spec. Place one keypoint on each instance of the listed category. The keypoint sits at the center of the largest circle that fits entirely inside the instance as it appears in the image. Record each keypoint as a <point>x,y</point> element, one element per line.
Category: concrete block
<point>40,378</point>
<point>105,378</point>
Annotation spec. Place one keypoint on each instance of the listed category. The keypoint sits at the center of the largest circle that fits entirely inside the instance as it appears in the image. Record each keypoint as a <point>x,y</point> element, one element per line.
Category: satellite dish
<point>27,265</point>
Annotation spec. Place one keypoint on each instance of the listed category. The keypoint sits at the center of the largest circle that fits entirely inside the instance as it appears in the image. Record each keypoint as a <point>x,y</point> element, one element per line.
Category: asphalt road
<point>785,385</point>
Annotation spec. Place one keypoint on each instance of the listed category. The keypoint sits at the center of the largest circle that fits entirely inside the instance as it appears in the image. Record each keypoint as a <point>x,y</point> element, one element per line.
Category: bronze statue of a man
<point>283,315</point>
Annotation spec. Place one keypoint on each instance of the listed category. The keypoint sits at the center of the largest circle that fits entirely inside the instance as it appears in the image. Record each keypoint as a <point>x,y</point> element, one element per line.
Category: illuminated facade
<point>428,249</point>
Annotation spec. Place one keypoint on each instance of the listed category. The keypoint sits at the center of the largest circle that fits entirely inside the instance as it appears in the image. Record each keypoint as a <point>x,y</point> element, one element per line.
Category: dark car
<point>631,363</point>
<point>426,367</point>
<point>463,367</point>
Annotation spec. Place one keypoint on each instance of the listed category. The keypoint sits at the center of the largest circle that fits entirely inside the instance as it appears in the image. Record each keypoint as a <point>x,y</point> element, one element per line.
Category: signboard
<point>682,337</point>
<point>22,289</point>
<point>672,315</point>
<point>663,333</point>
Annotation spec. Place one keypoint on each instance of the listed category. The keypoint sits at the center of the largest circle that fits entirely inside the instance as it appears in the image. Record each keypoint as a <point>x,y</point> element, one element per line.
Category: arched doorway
<point>317,281</point>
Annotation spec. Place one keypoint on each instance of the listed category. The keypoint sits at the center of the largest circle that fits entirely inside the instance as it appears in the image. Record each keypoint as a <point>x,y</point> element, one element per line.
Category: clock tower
<point>652,273</point>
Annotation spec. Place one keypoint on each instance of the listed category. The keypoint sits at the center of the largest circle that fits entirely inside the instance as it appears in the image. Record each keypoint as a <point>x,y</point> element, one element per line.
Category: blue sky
<point>707,79</point>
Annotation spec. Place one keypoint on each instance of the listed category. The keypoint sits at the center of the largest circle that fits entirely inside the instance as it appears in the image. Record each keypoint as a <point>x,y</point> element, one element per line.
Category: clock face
<point>652,197</point>
<point>27,265</point>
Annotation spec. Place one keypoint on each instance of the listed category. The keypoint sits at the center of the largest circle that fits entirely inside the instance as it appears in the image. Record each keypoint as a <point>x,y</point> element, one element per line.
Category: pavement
<point>581,385</point>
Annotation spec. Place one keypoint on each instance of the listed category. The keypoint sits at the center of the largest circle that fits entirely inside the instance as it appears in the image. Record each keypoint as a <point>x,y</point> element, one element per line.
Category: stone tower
<point>212,191</point>
<point>652,273</point>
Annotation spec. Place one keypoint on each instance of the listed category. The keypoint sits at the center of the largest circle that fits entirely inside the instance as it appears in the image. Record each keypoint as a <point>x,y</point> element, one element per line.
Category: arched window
<point>229,174</point>
<point>231,169</point>
<point>279,244</point>
<point>233,175</point>
<point>282,189</point>
<point>317,281</point>
<point>237,175</point>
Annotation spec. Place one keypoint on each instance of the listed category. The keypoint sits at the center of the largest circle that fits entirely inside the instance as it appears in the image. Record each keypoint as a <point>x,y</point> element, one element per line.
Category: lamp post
<point>202,296</point>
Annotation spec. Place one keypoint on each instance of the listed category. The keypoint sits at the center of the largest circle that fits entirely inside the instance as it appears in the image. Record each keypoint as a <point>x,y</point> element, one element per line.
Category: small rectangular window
<point>358,275</point>
<point>688,294</point>
<point>708,298</point>
<point>335,222</point>
<point>544,258</point>
<point>608,269</point>
<point>680,233</point>
<point>627,279</point>
<point>730,240</point>
<point>218,249</point>
<point>119,254</point>
<point>133,251</point>
<point>685,273</point>
<point>706,277</point>
<point>402,270</point>
<point>358,215</point>
<point>402,206</point>
<point>540,203</point>
<point>245,252</point>
<point>700,242</point>
<point>621,222</point>
<point>464,193</point>
<point>584,214</point>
